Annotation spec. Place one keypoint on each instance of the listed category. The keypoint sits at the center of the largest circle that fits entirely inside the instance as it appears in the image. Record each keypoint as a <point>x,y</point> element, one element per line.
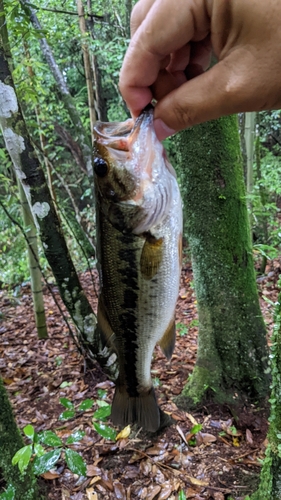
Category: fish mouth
<point>120,135</point>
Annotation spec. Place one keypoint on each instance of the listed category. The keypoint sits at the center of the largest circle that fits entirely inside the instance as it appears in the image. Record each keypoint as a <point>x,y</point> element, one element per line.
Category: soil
<point>221,461</point>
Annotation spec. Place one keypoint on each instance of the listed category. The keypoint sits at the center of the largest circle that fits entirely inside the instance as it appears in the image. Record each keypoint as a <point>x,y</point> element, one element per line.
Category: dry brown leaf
<point>165,492</point>
<point>197,482</point>
<point>152,492</point>
<point>50,475</point>
<point>191,418</point>
<point>91,494</point>
<point>119,490</point>
<point>95,480</point>
<point>92,471</point>
<point>207,438</point>
<point>249,437</point>
<point>181,434</point>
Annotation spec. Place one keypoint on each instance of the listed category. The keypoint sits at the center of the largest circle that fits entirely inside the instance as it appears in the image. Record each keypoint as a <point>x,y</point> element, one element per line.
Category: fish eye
<point>100,167</point>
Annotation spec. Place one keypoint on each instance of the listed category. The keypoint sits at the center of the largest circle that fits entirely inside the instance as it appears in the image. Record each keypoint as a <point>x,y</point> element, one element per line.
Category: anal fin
<point>167,343</point>
<point>142,409</point>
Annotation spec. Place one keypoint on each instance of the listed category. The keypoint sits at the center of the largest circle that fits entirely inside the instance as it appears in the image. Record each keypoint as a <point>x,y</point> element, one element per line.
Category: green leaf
<point>101,393</point>
<point>9,494</point>
<point>101,403</point>
<point>196,428</point>
<point>67,403</point>
<point>22,457</point>
<point>65,384</point>
<point>39,450</point>
<point>46,462</point>
<point>102,413</point>
<point>67,414</point>
<point>105,431</point>
<point>29,431</point>
<point>75,437</point>
<point>181,495</point>
<point>50,438</point>
<point>75,462</point>
<point>86,405</point>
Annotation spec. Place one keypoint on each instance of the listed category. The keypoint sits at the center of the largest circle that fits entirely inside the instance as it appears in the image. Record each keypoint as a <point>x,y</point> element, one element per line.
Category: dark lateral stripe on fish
<point>128,320</point>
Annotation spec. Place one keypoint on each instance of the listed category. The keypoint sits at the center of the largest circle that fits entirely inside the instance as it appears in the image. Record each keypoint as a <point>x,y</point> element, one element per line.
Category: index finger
<point>166,28</point>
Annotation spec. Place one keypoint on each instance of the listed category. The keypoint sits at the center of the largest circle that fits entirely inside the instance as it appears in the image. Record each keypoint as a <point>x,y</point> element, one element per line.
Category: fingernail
<point>162,130</point>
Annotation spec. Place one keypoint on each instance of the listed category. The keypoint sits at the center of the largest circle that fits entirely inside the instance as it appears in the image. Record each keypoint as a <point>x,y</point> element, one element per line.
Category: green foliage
<point>45,460</point>
<point>9,494</point>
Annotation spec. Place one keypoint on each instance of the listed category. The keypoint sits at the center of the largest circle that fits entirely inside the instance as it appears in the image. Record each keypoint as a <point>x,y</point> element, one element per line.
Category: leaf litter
<point>205,455</point>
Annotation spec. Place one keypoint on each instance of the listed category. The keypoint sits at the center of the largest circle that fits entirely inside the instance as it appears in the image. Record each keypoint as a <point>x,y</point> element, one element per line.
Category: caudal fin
<point>142,410</point>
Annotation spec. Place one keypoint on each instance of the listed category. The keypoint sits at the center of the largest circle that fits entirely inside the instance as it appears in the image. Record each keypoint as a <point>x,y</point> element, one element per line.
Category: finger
<point>161,33</point>
<point>167,82</point>
<point>139,13</point>
<point>225,89</point>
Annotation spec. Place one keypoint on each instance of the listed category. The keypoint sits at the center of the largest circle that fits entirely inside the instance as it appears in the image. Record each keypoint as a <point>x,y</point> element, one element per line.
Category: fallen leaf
<point>50,475</point>
<point>181,434</point>
<point>91,494</point>
<point>152,492</point>
<point>124,433</point>
<point>249,437</point>
<point>197,482</point>
<point>92,470</point>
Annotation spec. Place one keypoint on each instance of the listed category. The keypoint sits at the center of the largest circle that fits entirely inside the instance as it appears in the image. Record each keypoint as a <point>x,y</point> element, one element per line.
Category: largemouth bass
<point>139,232</point>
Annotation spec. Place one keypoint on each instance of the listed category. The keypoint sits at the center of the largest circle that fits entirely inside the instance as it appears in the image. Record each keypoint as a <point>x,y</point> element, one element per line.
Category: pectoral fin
<point>167,343</point>
<point>151,257</point>
<point>105,330</point>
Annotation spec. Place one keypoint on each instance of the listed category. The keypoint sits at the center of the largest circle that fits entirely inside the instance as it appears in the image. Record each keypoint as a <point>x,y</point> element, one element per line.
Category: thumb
<point>238,83</point>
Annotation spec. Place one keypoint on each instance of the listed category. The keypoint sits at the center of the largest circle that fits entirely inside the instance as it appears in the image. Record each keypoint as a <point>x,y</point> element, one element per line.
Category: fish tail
<point>142,409</point>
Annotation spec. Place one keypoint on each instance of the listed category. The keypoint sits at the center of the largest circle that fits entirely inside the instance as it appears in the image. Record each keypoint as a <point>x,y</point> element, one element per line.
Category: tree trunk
<point>31,176</point>
<point>10,442</point>
<point>33,261</point>
<point>270,483</point>
<point>232,354</point>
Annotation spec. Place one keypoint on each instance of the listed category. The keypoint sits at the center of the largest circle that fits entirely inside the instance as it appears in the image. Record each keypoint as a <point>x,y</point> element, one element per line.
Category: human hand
<point>170,50</point>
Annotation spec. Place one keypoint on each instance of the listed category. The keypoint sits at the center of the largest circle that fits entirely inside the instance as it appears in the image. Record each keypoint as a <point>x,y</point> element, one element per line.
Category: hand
<point>170,50</point>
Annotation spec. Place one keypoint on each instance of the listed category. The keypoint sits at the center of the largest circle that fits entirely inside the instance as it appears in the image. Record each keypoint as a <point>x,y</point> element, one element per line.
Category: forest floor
<point>224,460</point>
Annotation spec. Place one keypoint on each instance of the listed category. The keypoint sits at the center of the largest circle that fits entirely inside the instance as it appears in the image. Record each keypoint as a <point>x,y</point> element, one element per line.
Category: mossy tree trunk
<point>270,484</point>
<point>25,485</point>
<point>232,361</point>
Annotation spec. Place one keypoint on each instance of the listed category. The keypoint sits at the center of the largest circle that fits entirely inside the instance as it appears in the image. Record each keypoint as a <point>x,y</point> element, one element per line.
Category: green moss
<point>232,353</point>
<point>10,442</point>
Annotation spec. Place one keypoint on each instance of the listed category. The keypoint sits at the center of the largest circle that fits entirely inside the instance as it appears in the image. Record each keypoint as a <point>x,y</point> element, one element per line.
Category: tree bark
<point>25,484</point>
<point>270,483</point>
<point>232,362</point>
<point>34,269</point>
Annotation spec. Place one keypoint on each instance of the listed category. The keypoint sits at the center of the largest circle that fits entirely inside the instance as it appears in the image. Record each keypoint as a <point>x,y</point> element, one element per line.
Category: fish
<point>139,247</point>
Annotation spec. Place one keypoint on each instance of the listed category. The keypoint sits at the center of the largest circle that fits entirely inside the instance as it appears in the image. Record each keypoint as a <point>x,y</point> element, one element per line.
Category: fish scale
<point>139,225</point>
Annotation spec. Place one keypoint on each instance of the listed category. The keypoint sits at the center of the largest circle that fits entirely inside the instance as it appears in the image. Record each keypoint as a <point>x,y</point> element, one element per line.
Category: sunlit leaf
<point>39,450</point>
<point>105,431</point>
<point>75,437</point>
<point>102,413</point>
<point>75,462</point>
<point>22,457</point>
<point>46,462</point>
<point>196,428</point>
<point>86,405</point>
<point>67,403</point>
<point>65,415</point>
<point>50,438</point>
<point>29,431</point>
